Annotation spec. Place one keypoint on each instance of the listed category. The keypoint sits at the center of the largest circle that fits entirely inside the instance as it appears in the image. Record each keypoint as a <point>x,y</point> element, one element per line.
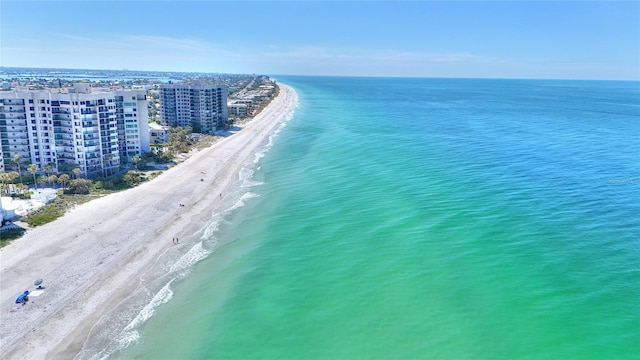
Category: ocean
<point>406,218</point>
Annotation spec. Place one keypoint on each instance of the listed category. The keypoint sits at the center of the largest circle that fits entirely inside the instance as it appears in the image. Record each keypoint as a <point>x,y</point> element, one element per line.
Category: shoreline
<point>93,257</point>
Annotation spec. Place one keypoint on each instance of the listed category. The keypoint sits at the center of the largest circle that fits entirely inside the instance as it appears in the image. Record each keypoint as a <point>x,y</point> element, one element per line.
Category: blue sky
<point>503,39</point>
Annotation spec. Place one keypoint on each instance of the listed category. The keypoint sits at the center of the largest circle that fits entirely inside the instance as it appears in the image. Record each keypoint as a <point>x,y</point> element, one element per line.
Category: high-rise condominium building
<point>202,107</point>
<point>84,127</point>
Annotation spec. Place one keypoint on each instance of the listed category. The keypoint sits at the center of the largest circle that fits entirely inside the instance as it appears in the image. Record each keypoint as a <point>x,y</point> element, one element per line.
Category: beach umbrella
<point>38,282</point>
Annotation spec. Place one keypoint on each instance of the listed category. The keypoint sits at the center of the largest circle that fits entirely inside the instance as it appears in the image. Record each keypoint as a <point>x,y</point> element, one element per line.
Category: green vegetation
<point>54,210</point>
<point>80,186</point>
<point>153,105</point>
<point>11,234</point>
<point>180,140</point>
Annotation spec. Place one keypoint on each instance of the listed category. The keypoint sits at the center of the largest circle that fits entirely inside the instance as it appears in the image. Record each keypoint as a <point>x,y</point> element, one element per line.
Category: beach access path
<point>93,257</point>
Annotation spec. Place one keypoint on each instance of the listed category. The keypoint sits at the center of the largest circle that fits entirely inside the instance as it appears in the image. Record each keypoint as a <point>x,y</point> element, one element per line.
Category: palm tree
<point>63,179</point>
<point>76,172</point>
<point>108,159</point>
<point>4,178</point>
<point>33,168</point>
<point>42,180</point>
<point>17,159</point>
<point>136,161</point>
<point>12,177</point>
<point>21,188</point>
<point>53,178</point>
<point>47,168</point>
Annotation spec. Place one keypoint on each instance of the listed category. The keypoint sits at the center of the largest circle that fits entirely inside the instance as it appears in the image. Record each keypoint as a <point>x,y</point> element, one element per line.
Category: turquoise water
<point>425,219</point>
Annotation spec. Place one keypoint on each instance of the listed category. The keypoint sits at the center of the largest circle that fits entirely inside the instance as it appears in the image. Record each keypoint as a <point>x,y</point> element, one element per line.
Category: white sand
<point>93,257</point>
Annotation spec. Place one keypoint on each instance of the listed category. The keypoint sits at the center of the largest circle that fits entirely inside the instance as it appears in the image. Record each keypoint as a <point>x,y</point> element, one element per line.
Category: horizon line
<point>325,75</point>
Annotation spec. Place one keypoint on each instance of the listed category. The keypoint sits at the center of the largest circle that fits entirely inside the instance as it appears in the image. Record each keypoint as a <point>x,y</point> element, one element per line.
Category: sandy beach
<point>93,257</point>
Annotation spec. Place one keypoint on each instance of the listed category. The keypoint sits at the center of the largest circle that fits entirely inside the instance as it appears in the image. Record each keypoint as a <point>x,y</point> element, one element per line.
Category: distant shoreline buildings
<point>49,120</point>
<point>85,127</point>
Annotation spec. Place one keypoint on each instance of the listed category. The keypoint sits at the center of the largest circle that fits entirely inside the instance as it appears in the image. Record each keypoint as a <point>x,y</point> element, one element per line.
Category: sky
<point>474,39</point>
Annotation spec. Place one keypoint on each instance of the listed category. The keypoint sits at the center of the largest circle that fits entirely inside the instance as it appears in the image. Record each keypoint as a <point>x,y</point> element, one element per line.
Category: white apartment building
<point>81,126</point>
<point>202,107</point>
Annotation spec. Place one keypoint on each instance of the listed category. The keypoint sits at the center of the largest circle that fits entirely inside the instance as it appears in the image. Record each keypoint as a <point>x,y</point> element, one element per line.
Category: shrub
<point>80,186</point>
<point>10,234</point>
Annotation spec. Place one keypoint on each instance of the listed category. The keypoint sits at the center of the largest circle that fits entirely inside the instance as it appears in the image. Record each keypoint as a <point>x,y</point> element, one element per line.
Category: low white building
<point>237,109</point>
<point>159,134</point>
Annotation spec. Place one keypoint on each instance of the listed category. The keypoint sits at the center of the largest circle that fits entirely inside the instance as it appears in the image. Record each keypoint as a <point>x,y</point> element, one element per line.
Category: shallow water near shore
<point>420,218</point>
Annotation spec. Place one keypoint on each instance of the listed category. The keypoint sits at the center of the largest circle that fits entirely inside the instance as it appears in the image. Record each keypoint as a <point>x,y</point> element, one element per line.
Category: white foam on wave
<point>211,227</point>
<point>163,296</point>
<point>245,173</point>
<point>249,183</point>
<point>259,155</point>
<point>246,177</point>
<point>130,335</point>
<point>193,256</point>
<point>241,202</point>
<point>282,123</point>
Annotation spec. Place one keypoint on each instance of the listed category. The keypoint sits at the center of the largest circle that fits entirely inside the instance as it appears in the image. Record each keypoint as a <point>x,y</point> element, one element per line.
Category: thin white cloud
<point>164,42</point>
<point>152,52</point>
<point>315,54</point>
